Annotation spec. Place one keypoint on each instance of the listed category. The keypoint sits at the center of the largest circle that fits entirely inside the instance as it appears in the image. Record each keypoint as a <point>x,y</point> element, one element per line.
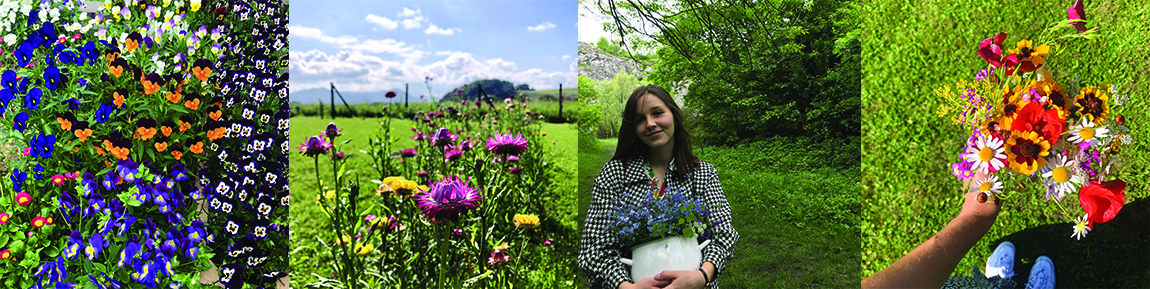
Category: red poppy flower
<point>1045,122</point>
<point>1102,201</point>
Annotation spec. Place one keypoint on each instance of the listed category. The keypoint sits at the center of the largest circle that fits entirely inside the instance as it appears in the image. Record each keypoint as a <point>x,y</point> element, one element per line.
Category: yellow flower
<point>363,250</point>
<point>523,221</point>
<point>404,188</point>
<point>543,133</point>
<point>1092,102</point>
<point>1027,151</point>
<point>390,180</point>
<point>502,246</point>
<point>329,194</point>
<point>196,5</point>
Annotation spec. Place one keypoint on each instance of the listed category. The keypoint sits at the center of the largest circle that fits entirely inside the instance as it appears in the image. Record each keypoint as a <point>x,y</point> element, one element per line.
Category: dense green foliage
<point>909,193</point>
<point>757,70</point>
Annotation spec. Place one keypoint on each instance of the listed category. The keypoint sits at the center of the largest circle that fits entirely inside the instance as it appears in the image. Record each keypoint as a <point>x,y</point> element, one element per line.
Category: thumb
<point>666,275</point>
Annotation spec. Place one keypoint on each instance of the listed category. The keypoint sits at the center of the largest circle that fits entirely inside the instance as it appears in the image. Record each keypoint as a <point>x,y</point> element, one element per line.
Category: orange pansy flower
<point>197,148</point>
<point>177,154</point>
<point>161,146</point>
<point>64,124</point>
<point>166,130</point>
<point>216,115</point>
<point>184,126</point>
<point>192,104</point>
<point>83,135</point>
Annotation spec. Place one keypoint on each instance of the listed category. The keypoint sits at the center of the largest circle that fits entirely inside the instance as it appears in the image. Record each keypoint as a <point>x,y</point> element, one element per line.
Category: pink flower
<point>27,151</point>
<point>23,199</point>
<point>447,199</point>
<point>314,146</point>
<point>548,242</point>
<point>498,257</point>
<point>505,144</point>
<point>1076,12</point>
<point>59,179</point>
<point>991,49</point>
<point>408,153</point>
<point>512,159</point>
<point>4,218</point>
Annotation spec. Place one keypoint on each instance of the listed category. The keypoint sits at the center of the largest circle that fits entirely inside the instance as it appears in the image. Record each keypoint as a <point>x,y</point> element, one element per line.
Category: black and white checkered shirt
<point>599,251</point>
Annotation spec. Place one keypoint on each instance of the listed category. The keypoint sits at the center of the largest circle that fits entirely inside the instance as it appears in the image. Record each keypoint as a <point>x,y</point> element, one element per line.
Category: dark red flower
<point>991,49</point>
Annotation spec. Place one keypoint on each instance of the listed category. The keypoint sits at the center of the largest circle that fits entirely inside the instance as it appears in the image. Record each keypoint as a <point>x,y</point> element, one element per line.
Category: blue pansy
<point>53,79</point>
<point>32,100</point>
<point>8,80</point>
<point>104,112</point>
<point>21,121</point>
<point>24,53</point>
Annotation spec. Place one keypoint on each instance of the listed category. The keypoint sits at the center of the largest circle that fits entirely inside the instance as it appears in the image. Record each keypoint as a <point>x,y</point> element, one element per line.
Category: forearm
<point>930,264</point>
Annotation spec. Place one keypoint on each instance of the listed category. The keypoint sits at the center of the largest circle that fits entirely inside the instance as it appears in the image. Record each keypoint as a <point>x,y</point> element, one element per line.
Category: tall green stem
<point>442,256</point>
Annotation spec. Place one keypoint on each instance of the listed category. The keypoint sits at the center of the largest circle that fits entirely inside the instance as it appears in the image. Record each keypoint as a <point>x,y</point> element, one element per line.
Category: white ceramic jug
<point>670,253</point>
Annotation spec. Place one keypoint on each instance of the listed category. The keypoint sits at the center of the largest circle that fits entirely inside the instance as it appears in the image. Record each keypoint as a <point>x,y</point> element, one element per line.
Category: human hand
<point>970,205</point>
<point>646,283</point>
<point>684,279</point>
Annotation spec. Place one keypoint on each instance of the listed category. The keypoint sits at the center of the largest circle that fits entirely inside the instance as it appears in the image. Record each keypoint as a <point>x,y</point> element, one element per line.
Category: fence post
<point>332,100</point>
<point>405,88</point>
<point>321,108</point>
<point>560,100</point>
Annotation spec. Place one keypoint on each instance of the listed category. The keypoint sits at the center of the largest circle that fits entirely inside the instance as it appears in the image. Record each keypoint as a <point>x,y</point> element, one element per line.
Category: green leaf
<point>17,247</point>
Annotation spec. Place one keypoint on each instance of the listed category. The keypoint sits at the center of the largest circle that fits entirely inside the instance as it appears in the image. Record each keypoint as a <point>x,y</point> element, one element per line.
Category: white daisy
<point>1081,227</point>
<point>1062,176</point>
<point>988,154</point>
<point>990,185</point>
<point>1086,132</point>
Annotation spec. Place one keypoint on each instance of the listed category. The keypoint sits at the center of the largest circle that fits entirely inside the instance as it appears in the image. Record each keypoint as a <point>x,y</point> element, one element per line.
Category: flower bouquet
<point>661,232</point>
<point>1026,123</point>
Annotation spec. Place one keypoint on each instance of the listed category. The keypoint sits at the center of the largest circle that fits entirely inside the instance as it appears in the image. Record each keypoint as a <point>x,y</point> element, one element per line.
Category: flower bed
<point>116,113</point>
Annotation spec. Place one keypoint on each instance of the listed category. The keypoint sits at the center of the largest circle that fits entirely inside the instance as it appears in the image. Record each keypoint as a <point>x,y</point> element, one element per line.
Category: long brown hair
<point>629,148</point>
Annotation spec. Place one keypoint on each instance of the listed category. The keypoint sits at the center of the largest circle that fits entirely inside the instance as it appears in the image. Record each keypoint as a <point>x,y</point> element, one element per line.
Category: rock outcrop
<point>597,65</point>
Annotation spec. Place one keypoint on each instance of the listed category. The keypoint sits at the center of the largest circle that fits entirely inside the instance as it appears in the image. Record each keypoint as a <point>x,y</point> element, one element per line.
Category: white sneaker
<point>1042,274</point>
<point>1001,262</point>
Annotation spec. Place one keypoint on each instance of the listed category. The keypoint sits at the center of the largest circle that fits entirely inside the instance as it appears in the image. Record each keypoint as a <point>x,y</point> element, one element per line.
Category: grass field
<point>308,221</point>
<point>909,193</point>
<point>798,222</point>
<point>549,109</point>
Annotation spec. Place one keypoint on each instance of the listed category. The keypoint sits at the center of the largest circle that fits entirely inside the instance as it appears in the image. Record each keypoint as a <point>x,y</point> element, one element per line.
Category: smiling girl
<point>653,153</point>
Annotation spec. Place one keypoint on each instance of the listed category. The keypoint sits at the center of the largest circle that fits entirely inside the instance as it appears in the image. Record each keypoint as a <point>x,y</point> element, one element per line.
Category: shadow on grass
<point>1116,254</point>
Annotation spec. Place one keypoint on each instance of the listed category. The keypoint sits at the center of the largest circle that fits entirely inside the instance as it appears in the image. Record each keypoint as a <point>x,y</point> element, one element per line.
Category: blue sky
<point>370,46</point>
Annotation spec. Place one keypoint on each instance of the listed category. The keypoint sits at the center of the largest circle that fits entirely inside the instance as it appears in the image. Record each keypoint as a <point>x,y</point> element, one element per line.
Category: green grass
<point>909,193</point>
<point>308,221</point>
<point>797,223</point>
<point>549,109</point>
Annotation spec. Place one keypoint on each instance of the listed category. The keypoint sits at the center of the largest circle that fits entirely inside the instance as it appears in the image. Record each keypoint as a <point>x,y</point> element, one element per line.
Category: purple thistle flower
<point>332,131</point>
<point>504,144</point>
<point>515,171</point>
<point>447,199</point>
<point>314,146</point>
<point>423,174</point>
<point>443,137</point>
<point>452,155</point>
<point>409,153</point>
<point>419,136</point>
<point>512,159</point>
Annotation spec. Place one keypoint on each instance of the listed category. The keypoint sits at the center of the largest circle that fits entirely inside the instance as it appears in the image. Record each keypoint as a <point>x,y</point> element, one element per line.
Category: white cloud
<point>566,58</point>
<point>315,33</point>
<point>354,71</point>
<point>542,26</point>
<point>407,12</point>
<point>432,29</point>
<point>411,23</point>
<point>382,21</point>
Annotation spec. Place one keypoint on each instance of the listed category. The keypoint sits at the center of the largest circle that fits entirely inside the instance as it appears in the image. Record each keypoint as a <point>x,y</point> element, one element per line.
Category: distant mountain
<point>316,95</point>
<point>494,88</point>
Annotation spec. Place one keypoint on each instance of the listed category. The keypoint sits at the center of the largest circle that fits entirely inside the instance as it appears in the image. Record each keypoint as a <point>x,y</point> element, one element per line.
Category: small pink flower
<point>77,36</point>
<point>59,179</point>
<point>548,242</point>
<point>27,151</point>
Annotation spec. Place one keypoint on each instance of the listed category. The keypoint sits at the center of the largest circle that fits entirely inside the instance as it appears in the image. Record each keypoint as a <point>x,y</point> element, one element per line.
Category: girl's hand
<point>685,279</point>
<point>970,205</point>
<point>646,283</point>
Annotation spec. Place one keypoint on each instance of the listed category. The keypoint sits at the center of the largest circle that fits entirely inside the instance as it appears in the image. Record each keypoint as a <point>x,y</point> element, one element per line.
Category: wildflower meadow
<point>469,194</point>
<point>1042,98</point>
